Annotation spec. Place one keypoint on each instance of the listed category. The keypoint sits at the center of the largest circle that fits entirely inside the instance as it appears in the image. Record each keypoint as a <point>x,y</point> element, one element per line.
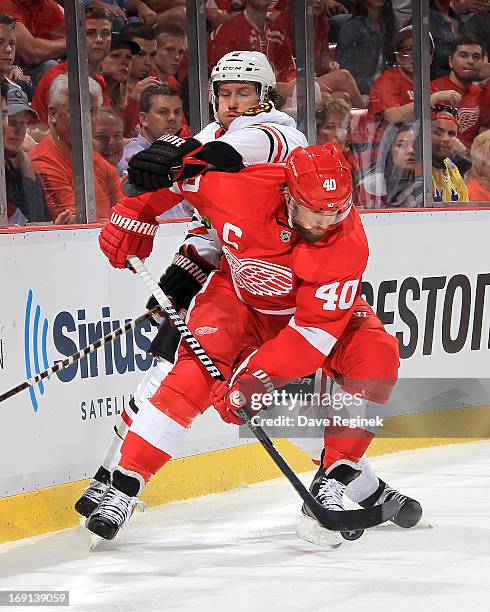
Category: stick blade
<point>352,520</point>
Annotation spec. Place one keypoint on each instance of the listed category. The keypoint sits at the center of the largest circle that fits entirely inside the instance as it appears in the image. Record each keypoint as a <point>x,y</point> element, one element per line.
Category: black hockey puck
<point>352,535</point>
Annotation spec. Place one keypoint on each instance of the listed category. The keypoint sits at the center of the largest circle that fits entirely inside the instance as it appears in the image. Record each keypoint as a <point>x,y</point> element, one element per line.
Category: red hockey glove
<point>129,232</point>
<point>243,391</point>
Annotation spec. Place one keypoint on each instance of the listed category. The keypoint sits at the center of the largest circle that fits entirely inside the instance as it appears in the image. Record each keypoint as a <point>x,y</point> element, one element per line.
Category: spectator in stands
<point>465,62</point>
<point>445,27</point>
<point>391,96</point>
<point>8,43</point>
<point>447,182</point>
<point>40,33</point>
<point>171,47</point>
<point>161,113</point>
<point>115,69</point>
<point>52,158</point>
<point>141,73</point>
<point>98,30</point>
<point>365,44</point>
<point>116,9</point>
<point>143,63</point>
<point>392,182</point>
<point>25,197</point>
<point>252,30</point>
<point>478,178</point>
<point>108,135</point>
<point>333,124</point>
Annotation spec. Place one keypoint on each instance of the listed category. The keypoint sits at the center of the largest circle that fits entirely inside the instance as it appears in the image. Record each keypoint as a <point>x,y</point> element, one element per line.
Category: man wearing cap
<point>115,69</point>
<point>25,197</point>
<point>98,29</point>
<point>391,96</point>
<point>447,183</point>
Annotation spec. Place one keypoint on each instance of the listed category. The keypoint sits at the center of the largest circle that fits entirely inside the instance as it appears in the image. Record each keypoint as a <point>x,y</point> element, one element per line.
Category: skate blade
<point>94,542</point>
<point>310,531</point>
<point>422,524</point>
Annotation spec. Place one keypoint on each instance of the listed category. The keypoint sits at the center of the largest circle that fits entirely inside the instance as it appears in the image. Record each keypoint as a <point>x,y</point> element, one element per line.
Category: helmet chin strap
<point>262,92</point>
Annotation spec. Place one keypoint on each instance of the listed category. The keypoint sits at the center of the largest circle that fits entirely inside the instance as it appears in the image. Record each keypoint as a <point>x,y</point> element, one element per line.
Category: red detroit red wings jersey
<point>272,269</point>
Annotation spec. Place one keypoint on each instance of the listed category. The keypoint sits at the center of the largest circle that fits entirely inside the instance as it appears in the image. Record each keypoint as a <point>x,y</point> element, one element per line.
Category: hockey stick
<point>348,520</point>
<point>83,353</point>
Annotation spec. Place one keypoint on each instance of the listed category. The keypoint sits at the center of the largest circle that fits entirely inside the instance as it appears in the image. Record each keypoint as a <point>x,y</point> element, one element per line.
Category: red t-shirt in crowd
<point>43,18</point>
<point>41,94</point>
<point>468,110</point>
<point>392,89</point>
<point>55,170</point>
<point>239,33</point>
<point>485,106</point>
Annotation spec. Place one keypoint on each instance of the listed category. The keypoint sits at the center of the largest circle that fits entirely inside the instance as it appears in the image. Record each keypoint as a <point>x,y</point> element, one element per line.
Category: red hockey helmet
<point>319,178</point>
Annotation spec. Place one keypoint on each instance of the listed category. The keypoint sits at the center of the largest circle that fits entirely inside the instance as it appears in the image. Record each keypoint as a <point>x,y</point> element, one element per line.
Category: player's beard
<point>306,234</point>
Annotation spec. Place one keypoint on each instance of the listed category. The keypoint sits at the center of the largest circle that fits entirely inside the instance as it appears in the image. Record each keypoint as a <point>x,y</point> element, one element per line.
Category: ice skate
<point>94,493</point>
<point>328,488</point>
<point>410,511</point>
<point>117,505</point>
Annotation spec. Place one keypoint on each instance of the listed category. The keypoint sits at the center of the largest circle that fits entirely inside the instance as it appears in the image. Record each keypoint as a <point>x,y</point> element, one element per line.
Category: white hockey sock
<point>365,484</point>
<point>146,389</point>
<point>114,453</point>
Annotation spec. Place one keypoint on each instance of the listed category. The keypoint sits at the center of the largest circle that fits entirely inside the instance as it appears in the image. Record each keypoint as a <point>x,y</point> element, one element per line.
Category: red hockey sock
<point>140,456</point>
<point>338,446</point>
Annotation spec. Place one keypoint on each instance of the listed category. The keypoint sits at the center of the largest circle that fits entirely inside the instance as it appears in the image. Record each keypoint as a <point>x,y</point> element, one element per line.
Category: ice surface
<point>238,551</point>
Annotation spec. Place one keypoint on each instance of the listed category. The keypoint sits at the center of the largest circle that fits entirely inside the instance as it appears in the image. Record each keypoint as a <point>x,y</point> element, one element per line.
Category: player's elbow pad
<point>222,156</point>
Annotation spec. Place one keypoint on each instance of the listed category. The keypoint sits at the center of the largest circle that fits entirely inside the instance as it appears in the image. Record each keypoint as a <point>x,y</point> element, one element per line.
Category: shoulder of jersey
<point>342,256</point>
<point>209,133</point>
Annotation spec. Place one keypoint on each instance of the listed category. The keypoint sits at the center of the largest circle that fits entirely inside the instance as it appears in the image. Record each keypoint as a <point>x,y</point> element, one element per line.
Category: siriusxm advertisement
<point>47,341</point>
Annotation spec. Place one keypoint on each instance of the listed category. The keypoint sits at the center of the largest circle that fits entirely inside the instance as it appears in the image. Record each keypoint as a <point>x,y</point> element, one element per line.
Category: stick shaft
<point>82,353</point>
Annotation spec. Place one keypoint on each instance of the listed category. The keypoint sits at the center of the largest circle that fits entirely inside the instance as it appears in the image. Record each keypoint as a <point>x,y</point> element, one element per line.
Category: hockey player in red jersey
<point>290,280</point>
<point>249,128</point>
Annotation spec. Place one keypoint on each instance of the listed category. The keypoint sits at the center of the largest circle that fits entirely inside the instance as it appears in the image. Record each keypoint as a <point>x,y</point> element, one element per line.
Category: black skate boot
<point>94,492</point>
<point>117,505</point>
<point>328,488</point>
<point>410,511</point>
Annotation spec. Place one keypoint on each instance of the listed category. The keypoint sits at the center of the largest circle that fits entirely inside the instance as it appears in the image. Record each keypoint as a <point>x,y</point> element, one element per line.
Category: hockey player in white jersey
<point>248,130</point>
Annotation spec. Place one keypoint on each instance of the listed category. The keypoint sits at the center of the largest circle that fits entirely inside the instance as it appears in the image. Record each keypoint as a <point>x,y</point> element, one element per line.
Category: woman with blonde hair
<point>478,178</point>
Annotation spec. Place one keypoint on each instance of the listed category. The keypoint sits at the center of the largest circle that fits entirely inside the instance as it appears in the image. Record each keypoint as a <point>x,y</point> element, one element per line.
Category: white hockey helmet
<point>248,66</point>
